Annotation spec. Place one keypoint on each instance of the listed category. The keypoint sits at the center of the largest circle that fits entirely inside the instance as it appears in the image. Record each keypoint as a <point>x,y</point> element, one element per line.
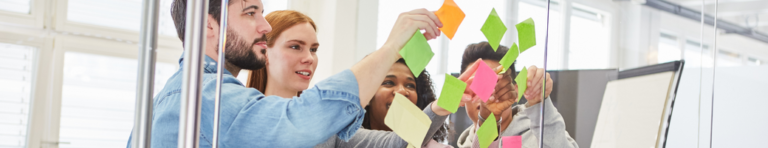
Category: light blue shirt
<point>250,119</point>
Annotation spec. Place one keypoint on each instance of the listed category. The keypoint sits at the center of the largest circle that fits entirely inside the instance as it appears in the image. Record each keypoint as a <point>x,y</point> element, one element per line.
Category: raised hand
<point>409,22</point>
<point>535,78</point>
<point>504,94</point>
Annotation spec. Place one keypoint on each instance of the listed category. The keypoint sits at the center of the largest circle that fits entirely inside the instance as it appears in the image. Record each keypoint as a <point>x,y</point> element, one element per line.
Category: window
<point>754,62</point>
<point>669,49</point>
<point>727,59</point>
<point>589,40</point>
<point>697,55</point>
<point>16,66</point>
<point>122,14</point>
<point>98,97</point>
<point>537,10</point>
<point>18,6</point>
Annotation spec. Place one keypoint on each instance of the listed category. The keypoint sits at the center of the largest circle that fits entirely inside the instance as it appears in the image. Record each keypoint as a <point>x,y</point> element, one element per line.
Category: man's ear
<point>211,27</point>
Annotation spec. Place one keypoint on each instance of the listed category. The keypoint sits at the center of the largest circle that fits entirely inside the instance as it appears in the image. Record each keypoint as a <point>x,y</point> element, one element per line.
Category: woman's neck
<point>279,90</point>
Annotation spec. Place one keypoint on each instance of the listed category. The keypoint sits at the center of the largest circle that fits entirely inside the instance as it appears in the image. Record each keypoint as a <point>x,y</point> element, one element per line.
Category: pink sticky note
<point>484,82</point>
<point>511,142</point>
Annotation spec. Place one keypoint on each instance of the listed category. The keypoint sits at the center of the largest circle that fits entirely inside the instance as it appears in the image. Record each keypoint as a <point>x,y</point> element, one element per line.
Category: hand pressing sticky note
<point>451,16</point>
<point>417,53</point>
<point>407,120</point>
<point>526,34</point>
<point>484,82</point>
<point>487,132</point>
<point>450,96</point>
<point>493,29</point>
<point>511,142</point>
<point>509,57</point>
<point>522,83</point>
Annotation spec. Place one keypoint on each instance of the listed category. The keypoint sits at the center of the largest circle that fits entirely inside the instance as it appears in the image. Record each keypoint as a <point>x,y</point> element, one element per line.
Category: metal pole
<point>142,120</point>
<point>189,114</point>
<point>544,84</point>
<point>714,66</point>
<point>220,70</point>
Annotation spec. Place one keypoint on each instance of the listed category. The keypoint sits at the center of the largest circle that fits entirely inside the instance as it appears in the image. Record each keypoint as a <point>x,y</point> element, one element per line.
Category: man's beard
<point>240,53</point>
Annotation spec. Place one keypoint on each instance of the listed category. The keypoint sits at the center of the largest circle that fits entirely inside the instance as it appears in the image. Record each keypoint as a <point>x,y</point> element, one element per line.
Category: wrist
<point>440,111</point>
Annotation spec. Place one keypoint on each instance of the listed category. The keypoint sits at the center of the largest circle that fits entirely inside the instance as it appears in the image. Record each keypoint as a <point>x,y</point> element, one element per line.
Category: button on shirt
<point>250,119</point>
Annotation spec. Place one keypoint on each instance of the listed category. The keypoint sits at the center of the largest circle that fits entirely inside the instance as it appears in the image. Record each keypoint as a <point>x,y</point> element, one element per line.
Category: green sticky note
<point>450,96</point>
<point>510,57</point>
<point>407,120</point>
<point>487,132</point>
<point>493,29</point>
<point>417,53</point>
<point>526,34</point>
<point>521,79</point>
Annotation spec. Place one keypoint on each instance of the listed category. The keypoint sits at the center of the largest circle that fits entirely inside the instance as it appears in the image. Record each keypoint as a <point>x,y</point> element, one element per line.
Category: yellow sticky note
<point>407,120</point>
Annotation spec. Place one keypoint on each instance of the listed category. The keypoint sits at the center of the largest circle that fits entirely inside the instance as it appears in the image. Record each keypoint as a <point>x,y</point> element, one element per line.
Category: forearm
<point>371,138</point>
<point>437,121</point>
<point>554,125</point>
<point>370,71</point>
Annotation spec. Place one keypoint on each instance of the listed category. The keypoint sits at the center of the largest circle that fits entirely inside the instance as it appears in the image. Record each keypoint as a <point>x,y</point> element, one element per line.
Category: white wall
<point>739,115</point>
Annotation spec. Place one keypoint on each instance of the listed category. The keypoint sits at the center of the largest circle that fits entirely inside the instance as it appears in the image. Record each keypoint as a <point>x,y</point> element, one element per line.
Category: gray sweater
<point>365,138</point>
<point>526,124</point>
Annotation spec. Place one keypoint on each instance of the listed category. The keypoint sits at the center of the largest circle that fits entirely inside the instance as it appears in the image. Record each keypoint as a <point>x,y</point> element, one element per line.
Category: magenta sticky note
<point>485,81</point>
<point>511,142</point>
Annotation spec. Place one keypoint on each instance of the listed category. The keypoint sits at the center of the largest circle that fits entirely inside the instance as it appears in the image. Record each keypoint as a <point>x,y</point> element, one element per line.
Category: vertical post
<point>220,70</point>
<point>142,122</point>
<point>544,84</point>
<point>189,114</point>
<point>714,67</point>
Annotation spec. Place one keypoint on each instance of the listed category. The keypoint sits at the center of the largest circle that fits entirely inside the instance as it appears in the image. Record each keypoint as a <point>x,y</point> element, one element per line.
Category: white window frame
<point>52,36</point>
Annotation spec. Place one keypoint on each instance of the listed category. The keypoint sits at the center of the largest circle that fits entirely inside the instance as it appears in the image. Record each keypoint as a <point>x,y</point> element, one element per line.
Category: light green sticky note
<point>509,57</point>
<point>522,83</point>
<point>417,53</point>
<point>450,96</point>
<point>494,29</point>
<point>407,120</point>
<point>526,34</point>
<point>487,132</point>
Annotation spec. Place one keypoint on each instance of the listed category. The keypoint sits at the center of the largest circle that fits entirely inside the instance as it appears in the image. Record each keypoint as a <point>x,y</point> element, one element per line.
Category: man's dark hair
<point>179,14</point>
<point>482,50</point>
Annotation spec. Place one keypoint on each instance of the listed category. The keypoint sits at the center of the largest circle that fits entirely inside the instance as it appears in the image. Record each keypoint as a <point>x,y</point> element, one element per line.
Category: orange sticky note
<point>451,16</point>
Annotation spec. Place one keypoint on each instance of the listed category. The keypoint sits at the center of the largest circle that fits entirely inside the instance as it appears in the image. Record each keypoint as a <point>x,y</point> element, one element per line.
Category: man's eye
<point>250,13</point>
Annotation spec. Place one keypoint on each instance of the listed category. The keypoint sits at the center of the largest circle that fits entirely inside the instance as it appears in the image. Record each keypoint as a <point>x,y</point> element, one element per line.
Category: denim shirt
<point>250,119</point>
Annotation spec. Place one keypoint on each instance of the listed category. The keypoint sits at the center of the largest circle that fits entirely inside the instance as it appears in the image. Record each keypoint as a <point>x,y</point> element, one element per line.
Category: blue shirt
<point>250,119</point>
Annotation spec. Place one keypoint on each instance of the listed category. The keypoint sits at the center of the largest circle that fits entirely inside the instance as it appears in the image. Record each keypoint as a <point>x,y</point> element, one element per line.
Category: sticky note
<point>522,83</point>
<point>493,29</point>
<point>451,94</point>
<point>511,142</point>
<point>417,53</point>
<point>487,132</point>
<point>526,34</point>
<point>407,120</point>
<point>509,57</point>
<point>485,81</point>
<point>451,16</point>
